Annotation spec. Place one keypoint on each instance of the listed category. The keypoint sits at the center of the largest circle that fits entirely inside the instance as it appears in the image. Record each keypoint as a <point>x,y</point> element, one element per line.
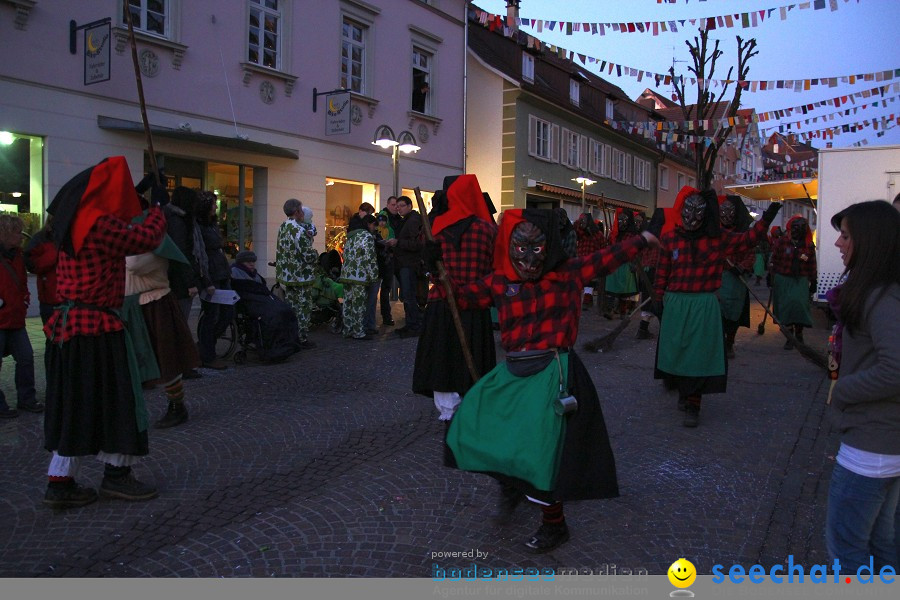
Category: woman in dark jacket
<point>218,277</point>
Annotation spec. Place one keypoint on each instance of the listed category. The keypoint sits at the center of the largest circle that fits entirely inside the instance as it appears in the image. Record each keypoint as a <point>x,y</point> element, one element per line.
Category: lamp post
<point>584,181</point>
<point>405,142</point>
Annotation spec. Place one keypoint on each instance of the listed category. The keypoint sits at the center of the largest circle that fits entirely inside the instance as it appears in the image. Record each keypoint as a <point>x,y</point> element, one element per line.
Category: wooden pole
<point>451,299</point>
<point>140,88</point>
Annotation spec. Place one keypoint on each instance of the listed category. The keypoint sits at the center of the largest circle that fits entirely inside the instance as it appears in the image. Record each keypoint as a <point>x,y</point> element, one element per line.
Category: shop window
<point>22,178</point>
<point>342,200</point>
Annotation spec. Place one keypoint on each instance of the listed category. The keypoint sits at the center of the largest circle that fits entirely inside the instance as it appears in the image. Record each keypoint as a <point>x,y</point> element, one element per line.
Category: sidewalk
<point>327,465</point>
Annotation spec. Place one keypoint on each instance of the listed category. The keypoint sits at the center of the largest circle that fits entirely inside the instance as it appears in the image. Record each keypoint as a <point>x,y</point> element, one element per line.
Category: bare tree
<point>704,68</point>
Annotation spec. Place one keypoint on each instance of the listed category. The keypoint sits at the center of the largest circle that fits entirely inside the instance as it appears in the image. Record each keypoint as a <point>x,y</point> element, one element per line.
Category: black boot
<point>119,482</point>
<point>643,332</point>
<point>68,494</point>
<point>549,536</point>
<point>798,333</point>
<point>176,414</point>
<point>692,411</point>
<point>729,344</point>
<point>510,498</point>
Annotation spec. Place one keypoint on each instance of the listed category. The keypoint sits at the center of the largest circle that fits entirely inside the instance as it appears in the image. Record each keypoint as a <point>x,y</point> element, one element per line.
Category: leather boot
<point>176,414</point>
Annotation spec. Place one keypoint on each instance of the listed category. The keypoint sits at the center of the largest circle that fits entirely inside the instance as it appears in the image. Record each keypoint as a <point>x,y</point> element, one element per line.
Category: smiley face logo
<point>682,573</point>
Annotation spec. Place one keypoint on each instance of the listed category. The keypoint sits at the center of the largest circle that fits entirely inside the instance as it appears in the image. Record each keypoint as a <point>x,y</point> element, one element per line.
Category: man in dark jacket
<point>407,248</point>
<point>180,220</point>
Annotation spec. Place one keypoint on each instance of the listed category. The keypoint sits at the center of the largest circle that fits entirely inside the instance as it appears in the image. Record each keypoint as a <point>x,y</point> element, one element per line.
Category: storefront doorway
<point>342,200</point>
<point>22,178</point>
<point>233,186</point>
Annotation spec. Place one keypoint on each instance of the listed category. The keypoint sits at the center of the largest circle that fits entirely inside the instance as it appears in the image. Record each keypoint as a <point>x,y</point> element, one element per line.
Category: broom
<point>808,353</point>
<point>761,328</point>
<point>605,342</point>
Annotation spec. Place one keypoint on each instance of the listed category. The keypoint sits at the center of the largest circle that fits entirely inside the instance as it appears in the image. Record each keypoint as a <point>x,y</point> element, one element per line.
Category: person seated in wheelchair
<point>277,323</point>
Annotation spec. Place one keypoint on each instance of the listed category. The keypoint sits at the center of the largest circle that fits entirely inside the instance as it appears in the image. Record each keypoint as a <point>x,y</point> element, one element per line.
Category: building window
<point>574,92</point>
<point>680,180</point>
<point>527,67</point>
<point>421,80</point>
<point>641,174</point>
<point>621,163</point>
<point>596,159</point>
<point>571,145</point>
<point>663,177</point>
<point>264,34</point>
<point>22,178</point>
<point>610,109</point>
<point>542,139</point>
<point>149,16</point>
<point>353,56</point>
<point>692,182</point>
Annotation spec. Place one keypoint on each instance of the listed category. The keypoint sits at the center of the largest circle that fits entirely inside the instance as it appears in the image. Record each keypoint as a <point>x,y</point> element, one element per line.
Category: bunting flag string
<point>832,116</point>
<point>879,93</point>
<point>744,20</point>
<point>497,23</point>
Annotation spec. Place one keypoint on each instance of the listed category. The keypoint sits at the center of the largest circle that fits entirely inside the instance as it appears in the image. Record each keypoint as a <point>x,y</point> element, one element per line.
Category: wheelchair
<point>239,338</point>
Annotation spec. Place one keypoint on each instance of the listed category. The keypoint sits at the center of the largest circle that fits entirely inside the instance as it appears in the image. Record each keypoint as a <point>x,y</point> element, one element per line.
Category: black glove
<point>431,254</point>
<point>656,222</point>
<point>769,215</point>
<point>158,196</point>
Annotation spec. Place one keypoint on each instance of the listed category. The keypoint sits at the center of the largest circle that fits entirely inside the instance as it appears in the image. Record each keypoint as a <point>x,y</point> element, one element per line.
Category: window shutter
<point>583,153</point>
<point>627,169</point>
<point>554,143</point>
<point>564,146</point>
<point>532,136</point>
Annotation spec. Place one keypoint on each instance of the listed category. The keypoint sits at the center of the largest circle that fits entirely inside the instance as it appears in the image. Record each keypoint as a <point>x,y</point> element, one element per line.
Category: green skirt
<point>759,265</point>
<point>790,304</point>
<point>734,298</point>
<point>622,282</point>
<point>691,342</point>
<point>508,425</point>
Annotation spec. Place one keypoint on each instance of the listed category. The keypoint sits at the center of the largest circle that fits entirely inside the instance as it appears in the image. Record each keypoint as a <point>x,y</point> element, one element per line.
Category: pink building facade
<point>229,89</point>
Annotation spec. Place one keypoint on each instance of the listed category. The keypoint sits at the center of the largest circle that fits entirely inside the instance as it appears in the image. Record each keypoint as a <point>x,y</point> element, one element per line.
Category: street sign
<point>96,54</point>
<point>337,113</point>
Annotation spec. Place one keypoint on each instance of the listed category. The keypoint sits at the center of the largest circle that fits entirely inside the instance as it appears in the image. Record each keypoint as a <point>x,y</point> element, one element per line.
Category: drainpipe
<point>465,103</point>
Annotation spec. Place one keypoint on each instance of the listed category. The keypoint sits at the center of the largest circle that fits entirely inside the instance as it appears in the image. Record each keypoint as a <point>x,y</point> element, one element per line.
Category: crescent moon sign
<point>331,105</point>
<point>90,44</point>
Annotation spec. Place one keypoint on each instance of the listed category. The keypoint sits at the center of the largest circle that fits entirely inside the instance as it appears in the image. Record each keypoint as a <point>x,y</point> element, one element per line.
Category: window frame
<point>552,136</point>
<point>279,13</point>
<point>346,81</point>
<point>663,177</point>
<point>169,7</point>
<point>428,108</point>
<point>610,109</point>
<point>680,179</point>
<point>527,67</point>
<point>574,92</point>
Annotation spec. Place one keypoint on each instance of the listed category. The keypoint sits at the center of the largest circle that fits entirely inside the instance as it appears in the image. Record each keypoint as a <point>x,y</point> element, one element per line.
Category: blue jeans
<point>408,296</point>
<point>863,520</point>
<point>372,304</point>
<point>16,343</point>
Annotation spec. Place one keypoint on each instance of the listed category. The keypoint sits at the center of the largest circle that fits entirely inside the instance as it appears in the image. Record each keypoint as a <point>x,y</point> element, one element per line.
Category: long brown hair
<point>874,229</point>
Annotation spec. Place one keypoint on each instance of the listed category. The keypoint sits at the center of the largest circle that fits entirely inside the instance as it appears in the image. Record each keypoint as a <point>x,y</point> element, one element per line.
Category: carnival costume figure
<point>794,277</point>
<point>734,298</point>
<point>622,283</point>
<point>534,422</point>
<point>94,400</point>
<point>690,355</point>
<point>464,229</point>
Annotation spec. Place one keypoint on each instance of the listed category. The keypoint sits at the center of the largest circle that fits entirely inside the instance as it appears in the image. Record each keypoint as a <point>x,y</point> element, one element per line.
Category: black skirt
<point>587,469</point>
<point>90,400</point>
<point>692,386</point>
<point>440,366</point>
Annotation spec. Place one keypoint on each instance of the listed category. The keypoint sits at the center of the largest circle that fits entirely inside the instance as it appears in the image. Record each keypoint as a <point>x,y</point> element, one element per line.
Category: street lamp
<point>584,181</point>
<point>405,142</point>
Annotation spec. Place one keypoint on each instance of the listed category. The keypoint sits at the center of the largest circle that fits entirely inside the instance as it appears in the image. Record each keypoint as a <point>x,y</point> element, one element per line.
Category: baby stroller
<point>327,293</point>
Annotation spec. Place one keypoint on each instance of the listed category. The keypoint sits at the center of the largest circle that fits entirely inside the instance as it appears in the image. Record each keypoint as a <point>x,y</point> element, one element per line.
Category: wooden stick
<point>451,299</point>
<point>140,88</point>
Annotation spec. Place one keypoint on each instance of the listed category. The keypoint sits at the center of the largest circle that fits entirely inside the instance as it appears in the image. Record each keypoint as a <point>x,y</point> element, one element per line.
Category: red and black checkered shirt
<point>470,261</point>
<point>96,276</point>
<point>588,244</point>
<point>542,314</point>
<point>649,257</point>
<point>783,257</point>
<point>696,266</point>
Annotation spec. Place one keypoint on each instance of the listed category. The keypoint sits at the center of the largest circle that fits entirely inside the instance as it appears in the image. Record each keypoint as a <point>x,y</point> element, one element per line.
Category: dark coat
<point>408,251</point>
<point>181,229</point>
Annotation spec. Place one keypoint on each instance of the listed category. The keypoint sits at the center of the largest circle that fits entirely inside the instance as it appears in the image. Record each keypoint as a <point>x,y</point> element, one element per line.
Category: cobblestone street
<point>327,465</point>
